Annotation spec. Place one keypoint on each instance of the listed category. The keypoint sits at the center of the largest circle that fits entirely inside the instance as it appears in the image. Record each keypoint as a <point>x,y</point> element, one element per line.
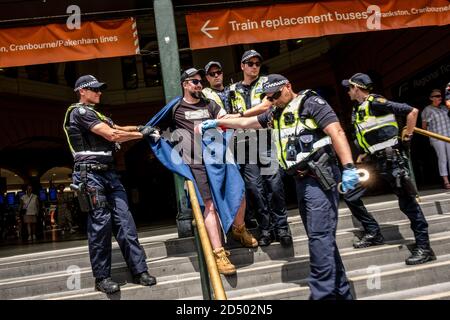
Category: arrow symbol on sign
<point>205,30</point>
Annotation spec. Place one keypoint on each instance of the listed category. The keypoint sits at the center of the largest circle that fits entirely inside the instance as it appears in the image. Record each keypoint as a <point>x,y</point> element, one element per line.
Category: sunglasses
<point>195,82</point>
<point>94,89</point>
<point>437,96</point>
<point>275,96</point>
<point>251,64</point>
<point>214,73</point>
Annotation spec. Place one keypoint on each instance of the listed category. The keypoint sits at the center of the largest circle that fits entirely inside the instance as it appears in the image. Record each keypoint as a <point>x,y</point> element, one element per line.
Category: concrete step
<point>383,214</point>
<point>252,276</point>
<point>439,291</point>
<point>37,284</point>
<point>168,245</point>
<point>395,279</point>
<point>44,274</point>
<point>432,204</point>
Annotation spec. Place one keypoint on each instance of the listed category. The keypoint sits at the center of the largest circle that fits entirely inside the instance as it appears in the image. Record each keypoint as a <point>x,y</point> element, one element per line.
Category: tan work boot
<point>224,265</point>
<point>241,234</point>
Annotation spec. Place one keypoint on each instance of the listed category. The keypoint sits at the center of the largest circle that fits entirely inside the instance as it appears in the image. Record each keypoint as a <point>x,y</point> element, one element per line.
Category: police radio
<point>289,118</point>
<point>291,149</point>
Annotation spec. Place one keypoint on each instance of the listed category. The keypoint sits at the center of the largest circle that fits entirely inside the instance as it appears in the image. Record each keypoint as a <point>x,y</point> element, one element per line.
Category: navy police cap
<point>360,80</point>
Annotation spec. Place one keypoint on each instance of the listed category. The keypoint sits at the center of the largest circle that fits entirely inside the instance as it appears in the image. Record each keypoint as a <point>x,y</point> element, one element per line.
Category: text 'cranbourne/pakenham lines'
<point>61,43</point>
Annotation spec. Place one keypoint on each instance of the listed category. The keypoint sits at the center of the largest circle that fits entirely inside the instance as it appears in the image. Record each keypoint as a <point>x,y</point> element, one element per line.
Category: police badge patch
<point>82,111</point>
<point>319,100</point>
<point>381,100</point>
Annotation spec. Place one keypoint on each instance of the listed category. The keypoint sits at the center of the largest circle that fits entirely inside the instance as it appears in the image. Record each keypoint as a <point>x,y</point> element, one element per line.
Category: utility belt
<point>389,154</point>
<point>90,199</point>
<point>319,167</point>
<point>93,167</point>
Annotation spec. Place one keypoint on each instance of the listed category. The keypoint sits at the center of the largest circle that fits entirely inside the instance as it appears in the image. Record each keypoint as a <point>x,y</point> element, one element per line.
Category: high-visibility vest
<point>374,133</point>
<point>211,94</point>
<point>84,142</point>
<point>296,138</point>
<point>237,99</point>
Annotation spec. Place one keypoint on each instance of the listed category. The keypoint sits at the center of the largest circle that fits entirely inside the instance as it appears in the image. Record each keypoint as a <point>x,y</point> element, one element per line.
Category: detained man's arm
<point>340,143</point>
<point>115,135</point>
<point>258,109</point>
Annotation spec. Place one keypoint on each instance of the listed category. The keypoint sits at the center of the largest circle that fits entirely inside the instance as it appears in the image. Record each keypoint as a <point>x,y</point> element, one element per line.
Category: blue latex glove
<point>350,178</point>
<point>208,124</point>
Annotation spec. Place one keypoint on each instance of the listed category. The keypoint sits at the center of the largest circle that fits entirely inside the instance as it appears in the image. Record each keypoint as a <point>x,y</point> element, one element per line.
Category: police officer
<point>93,139</point>
<point>216,90</point>
<point>264,186</point>
<point>376,131</point>
<point>306,131</point>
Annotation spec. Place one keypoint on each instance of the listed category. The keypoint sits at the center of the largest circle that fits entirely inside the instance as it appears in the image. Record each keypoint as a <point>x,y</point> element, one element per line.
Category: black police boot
<point>420,255</point>
<point>265,240</point>
<point>285,238</point>
<point>144,279</point>
<point>368,240</point>
<point>106,286</point>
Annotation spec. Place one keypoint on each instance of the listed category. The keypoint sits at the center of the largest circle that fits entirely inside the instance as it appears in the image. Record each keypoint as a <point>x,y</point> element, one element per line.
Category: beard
<point>196,94</point>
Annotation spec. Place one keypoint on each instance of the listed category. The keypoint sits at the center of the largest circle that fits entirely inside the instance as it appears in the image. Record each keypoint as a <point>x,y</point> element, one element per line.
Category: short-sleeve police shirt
<point>314,107</point>
<point>381,106</point>
<point>85,119</point>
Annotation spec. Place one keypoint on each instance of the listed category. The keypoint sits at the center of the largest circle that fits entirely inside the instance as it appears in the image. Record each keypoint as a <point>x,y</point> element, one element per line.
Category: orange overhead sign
<point>302,20</point>
<point>56,43</point>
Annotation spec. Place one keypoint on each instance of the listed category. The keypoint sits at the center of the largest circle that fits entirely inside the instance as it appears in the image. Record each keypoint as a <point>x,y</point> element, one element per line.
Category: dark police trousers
<point>406,200</point>
<point>359,211</point>
<point>116,218</point>
<point>267,195</point>
<point>319,213</point>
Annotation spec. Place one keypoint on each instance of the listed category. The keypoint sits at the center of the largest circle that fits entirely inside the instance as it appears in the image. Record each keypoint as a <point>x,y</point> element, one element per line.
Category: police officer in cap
<point>93,138</point>
<point>376,131</point>
<point>216,90</point>
<point>263,180</point>
<point>308,135</point>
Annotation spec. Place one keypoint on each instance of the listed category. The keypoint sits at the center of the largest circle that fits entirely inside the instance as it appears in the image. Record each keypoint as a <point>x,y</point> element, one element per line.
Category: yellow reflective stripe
<point>255,98</point>
<point>372,123</point>
<point>64,127</point>
<point>73,106</point>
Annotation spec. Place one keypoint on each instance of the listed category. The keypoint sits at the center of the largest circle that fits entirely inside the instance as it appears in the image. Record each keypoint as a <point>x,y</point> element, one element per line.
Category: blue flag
<point>225,181</point>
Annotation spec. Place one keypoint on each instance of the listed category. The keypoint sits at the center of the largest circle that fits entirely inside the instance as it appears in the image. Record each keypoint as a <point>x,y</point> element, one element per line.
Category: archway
<point>56,176</point>
<point>10,181</point>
